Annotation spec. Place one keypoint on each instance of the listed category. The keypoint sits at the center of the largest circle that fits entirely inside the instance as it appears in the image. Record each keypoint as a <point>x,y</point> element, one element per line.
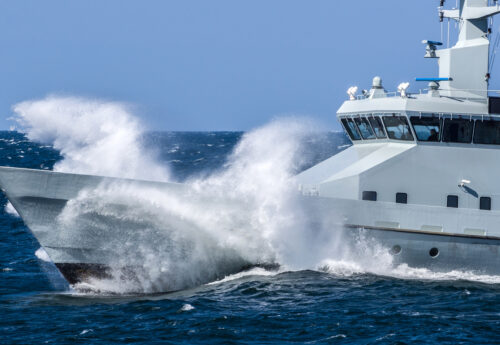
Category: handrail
<point>390,94</point>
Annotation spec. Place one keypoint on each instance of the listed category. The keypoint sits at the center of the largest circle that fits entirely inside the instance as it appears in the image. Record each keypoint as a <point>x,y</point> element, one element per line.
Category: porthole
<point>434,252</point>
<point>395,250</point>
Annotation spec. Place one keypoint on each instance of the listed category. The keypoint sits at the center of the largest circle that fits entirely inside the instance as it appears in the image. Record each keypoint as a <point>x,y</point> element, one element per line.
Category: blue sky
<point>212,65</point>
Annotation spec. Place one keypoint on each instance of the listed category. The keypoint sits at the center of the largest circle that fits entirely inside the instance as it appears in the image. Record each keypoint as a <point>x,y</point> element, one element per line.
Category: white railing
<point>466,96</point>
<point>390,94</point>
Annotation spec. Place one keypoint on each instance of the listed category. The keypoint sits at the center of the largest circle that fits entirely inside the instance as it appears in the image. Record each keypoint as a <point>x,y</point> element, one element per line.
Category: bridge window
<point>397,127</point>
<point>452,201</point>
<point>426,128</point>
<point>370,196</point>
<point>457,130</point>
<point>351,129</point>
<point>364,128</point>
<point>485,203</point>
<point>378,127</point>
<point>487,132</point>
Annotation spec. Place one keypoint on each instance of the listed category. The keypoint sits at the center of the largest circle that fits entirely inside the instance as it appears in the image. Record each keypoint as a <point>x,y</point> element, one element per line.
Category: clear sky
<point>213,65</point>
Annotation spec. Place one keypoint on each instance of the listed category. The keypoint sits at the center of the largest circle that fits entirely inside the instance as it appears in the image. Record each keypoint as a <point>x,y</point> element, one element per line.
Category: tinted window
<point>364,128</point>
<point>397,128</point>
<point>487,132</point>
<point>426,128</point>
<point>452,201</point>
<point>457,131</point>
<point>370,196</point>
<point>485,203</point>
<point>401,198</point>
<point>494,105</point>
<point>378,127</point>
<point>351,129</point>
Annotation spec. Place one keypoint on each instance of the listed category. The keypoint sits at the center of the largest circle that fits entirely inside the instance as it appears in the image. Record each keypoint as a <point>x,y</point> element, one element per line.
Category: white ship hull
<point>440,249</point>
<point>439,252</point>
<point>98,244</point>
<point>89,248</point>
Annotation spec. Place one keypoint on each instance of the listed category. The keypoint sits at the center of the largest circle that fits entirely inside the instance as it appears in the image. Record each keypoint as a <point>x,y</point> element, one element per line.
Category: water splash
<point>177,237</point>
<point>10,209</point>
<point>95,137</point>
<point>42,255</point>
<point>367,256</point>
<point>186,307</point>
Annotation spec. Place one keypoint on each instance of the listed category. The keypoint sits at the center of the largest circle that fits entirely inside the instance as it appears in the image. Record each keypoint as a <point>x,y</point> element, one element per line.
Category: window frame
<point>379,122</point>
<point>481,121</point>
<point>427,116</point>
<point>366,123</point>
<point>458,118</point>
<point>348,129</point>
<point>400,117</point>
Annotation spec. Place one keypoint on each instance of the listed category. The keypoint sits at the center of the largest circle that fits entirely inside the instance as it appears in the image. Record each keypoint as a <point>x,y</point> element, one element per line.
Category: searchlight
<point>352,92</point>
<point>402,89</point>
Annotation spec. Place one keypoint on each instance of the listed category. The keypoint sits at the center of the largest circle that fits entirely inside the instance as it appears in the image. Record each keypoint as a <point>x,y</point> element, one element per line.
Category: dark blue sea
<point>311,306</point>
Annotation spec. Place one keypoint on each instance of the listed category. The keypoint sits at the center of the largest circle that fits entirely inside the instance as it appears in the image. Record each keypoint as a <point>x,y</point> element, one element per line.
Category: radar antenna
<point>466,64</point>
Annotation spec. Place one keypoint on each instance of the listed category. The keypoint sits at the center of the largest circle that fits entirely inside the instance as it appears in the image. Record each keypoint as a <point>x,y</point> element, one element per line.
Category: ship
<point>419,179</point>
<point>420,175</point>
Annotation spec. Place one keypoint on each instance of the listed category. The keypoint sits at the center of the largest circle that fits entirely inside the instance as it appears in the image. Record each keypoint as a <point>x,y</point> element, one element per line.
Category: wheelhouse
<point>422,127</point>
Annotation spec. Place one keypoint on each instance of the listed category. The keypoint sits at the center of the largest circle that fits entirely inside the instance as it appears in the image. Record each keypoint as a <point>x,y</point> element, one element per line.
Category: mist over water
<point>247,213</point>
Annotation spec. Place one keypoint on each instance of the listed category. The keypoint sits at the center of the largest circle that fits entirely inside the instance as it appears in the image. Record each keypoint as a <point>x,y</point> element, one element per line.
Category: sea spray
<point>171,237</point>
<point>94,136</point>
<point>180,236</point>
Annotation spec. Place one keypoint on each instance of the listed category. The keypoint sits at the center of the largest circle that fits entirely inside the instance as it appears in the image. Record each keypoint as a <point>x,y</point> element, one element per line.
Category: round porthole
<point>395,250</point>
<point>434,252</point>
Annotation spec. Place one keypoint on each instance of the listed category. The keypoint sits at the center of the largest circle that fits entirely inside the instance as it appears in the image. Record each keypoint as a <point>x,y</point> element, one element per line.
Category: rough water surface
<point>340,302</point>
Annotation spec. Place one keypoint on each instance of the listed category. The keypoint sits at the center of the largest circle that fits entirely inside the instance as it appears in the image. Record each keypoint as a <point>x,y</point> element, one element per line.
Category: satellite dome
<point>377,83</point>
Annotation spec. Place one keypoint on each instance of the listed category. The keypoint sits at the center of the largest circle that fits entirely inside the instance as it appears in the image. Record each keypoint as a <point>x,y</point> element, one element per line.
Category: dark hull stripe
<point>76,273</point>
<point>445,234</point>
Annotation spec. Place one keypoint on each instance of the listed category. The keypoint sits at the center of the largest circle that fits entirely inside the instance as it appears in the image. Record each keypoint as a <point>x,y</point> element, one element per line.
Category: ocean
<point>341,302</point>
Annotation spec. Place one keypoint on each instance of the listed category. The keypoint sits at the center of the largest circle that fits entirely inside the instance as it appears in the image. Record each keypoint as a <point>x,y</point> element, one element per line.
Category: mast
<point>464,67</point>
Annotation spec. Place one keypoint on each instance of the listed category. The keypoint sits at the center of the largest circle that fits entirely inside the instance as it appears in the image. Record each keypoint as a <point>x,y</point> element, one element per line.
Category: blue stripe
<point>433,79</point>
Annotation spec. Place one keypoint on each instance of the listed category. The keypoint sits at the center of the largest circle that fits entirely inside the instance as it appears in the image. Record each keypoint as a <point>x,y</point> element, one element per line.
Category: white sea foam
<point>246,214</point>
<point>372,264</point>
<point>405,272</point>
<point>11,210</point>
<point>187,307</point>
<point>248,273</point>
<point>42,255</point>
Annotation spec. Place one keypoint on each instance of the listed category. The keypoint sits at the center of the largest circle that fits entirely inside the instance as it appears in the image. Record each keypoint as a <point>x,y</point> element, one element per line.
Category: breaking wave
<point>174,236</point>
<point>94,137</point>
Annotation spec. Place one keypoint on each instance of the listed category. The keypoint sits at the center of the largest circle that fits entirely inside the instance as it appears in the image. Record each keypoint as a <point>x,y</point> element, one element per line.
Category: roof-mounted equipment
<point>402,89</point>
<point>430,50</point>
<point>352,92</point>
